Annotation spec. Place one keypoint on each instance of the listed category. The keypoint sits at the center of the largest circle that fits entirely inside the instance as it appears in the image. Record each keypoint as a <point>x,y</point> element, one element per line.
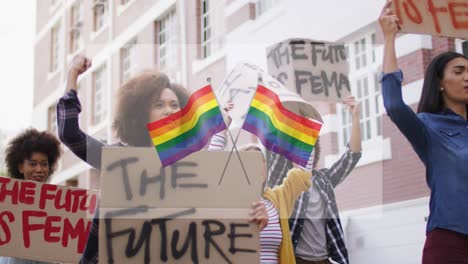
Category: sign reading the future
<point>315,70</point>
<point>193,211</point>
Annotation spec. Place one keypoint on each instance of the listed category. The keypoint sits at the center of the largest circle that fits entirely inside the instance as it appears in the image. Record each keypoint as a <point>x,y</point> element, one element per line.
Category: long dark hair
<point>431,97</point>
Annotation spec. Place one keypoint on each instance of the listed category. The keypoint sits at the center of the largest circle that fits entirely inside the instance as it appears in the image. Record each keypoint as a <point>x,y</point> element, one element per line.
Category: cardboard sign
<point>434,17</point>
<point>181,213</point>
<point>240,85</point>
<point>43,221</point>
<point>313,69</point>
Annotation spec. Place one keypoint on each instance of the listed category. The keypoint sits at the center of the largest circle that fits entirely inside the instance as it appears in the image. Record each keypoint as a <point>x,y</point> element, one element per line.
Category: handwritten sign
<point>178,214</point>
<point>240,85</point>
<point>43,221</point>
<point>434,17</point>
<point>315,70</point>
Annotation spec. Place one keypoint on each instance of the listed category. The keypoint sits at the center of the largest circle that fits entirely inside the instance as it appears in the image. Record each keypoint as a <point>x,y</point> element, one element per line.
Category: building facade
<point>384,202</point>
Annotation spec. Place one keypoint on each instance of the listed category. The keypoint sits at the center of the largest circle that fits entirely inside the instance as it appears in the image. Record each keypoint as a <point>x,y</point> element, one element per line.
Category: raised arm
<point>343,167</point>
<point>400,113</point>
<point>390,27</point>
<point>82,145</point>
<point>296,182</point>
<point>355,141</point>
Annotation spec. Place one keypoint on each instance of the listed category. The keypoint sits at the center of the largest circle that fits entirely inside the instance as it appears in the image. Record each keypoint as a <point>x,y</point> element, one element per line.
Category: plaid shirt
<point>326,180</point>
<point>86,148</point>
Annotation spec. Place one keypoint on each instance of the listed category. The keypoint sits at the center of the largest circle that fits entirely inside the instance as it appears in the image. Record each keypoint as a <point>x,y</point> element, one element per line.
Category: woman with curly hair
<point>31,155</point>
<point>145,98</point>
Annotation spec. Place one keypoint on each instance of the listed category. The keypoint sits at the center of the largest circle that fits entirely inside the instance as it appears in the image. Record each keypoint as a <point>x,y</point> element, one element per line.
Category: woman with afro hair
<point>31,155</point>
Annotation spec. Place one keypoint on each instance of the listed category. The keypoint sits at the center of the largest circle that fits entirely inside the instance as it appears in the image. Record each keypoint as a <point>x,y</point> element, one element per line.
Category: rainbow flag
<point>187,131</point>
<point>280,130</point>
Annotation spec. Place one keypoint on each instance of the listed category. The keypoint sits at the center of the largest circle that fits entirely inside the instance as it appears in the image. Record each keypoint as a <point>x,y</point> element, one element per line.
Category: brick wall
<point>414,64</point>
<point>441,44</point>
<point>404,175</point>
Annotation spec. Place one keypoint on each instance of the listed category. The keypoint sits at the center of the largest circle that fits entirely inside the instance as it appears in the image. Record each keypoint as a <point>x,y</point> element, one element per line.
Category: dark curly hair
<point>28,142</point>
<point>134,104</point>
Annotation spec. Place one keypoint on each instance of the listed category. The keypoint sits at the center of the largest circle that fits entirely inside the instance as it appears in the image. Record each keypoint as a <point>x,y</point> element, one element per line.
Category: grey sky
<point>17,26</point>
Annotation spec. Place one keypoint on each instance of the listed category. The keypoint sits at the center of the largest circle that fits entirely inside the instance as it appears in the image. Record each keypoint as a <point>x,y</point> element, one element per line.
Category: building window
<point>374,44</point>
<point>360,54</point>
<point>367,92</point>
<point>54,48</point>
<point>363,96</point>
<point>75,27</point>
<point>52,120</point>
<point>346,125</point>
<point>212,27</point>
<point>261,6</point>
<point>465,48</point>
<point>378,104</point>
<point>99,10</point>
<point>365,86</point>
<point>167,41</point>
<point>99,100</point>
<point>128,59</point>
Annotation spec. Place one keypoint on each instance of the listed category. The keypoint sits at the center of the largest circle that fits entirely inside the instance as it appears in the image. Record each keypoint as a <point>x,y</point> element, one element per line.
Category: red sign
<point>43,221</point>
<point>435,17</point>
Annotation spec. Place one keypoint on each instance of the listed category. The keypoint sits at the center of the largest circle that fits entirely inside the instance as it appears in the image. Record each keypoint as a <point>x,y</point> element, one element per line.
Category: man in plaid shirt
<point>315,225</point>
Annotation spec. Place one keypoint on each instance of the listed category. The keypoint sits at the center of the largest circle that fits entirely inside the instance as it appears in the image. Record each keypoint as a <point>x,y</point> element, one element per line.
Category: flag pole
<point>260,80</point>
<point>208,80</point>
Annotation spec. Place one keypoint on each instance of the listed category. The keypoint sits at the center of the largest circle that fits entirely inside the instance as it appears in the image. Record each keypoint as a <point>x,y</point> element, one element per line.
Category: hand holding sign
<point>225,111</point>
<point>258,214</point>
<point>389,21</point>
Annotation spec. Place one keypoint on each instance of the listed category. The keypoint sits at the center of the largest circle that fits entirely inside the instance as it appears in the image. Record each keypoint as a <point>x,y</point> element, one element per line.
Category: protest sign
<point>315,70</point>
<point>181,213</point>
<point>43,221</point>
<point>240,85</point>
<point>434,17</point>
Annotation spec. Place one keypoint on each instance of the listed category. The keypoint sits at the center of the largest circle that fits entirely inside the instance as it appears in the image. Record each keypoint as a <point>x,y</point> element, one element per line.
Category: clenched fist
<point>79,65</point>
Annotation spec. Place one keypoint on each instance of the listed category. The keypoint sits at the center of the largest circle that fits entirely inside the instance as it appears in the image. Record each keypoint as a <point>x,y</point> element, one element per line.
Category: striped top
<point>270,236</point>
<point>218,141</point>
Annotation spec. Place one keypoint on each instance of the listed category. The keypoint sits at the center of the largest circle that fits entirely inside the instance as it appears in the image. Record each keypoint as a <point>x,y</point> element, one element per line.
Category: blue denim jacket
<point>441,142</point>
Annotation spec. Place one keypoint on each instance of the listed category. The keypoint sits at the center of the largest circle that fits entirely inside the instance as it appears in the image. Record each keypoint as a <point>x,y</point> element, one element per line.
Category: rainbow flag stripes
<point>187,131</point>
<point>279,129</point>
